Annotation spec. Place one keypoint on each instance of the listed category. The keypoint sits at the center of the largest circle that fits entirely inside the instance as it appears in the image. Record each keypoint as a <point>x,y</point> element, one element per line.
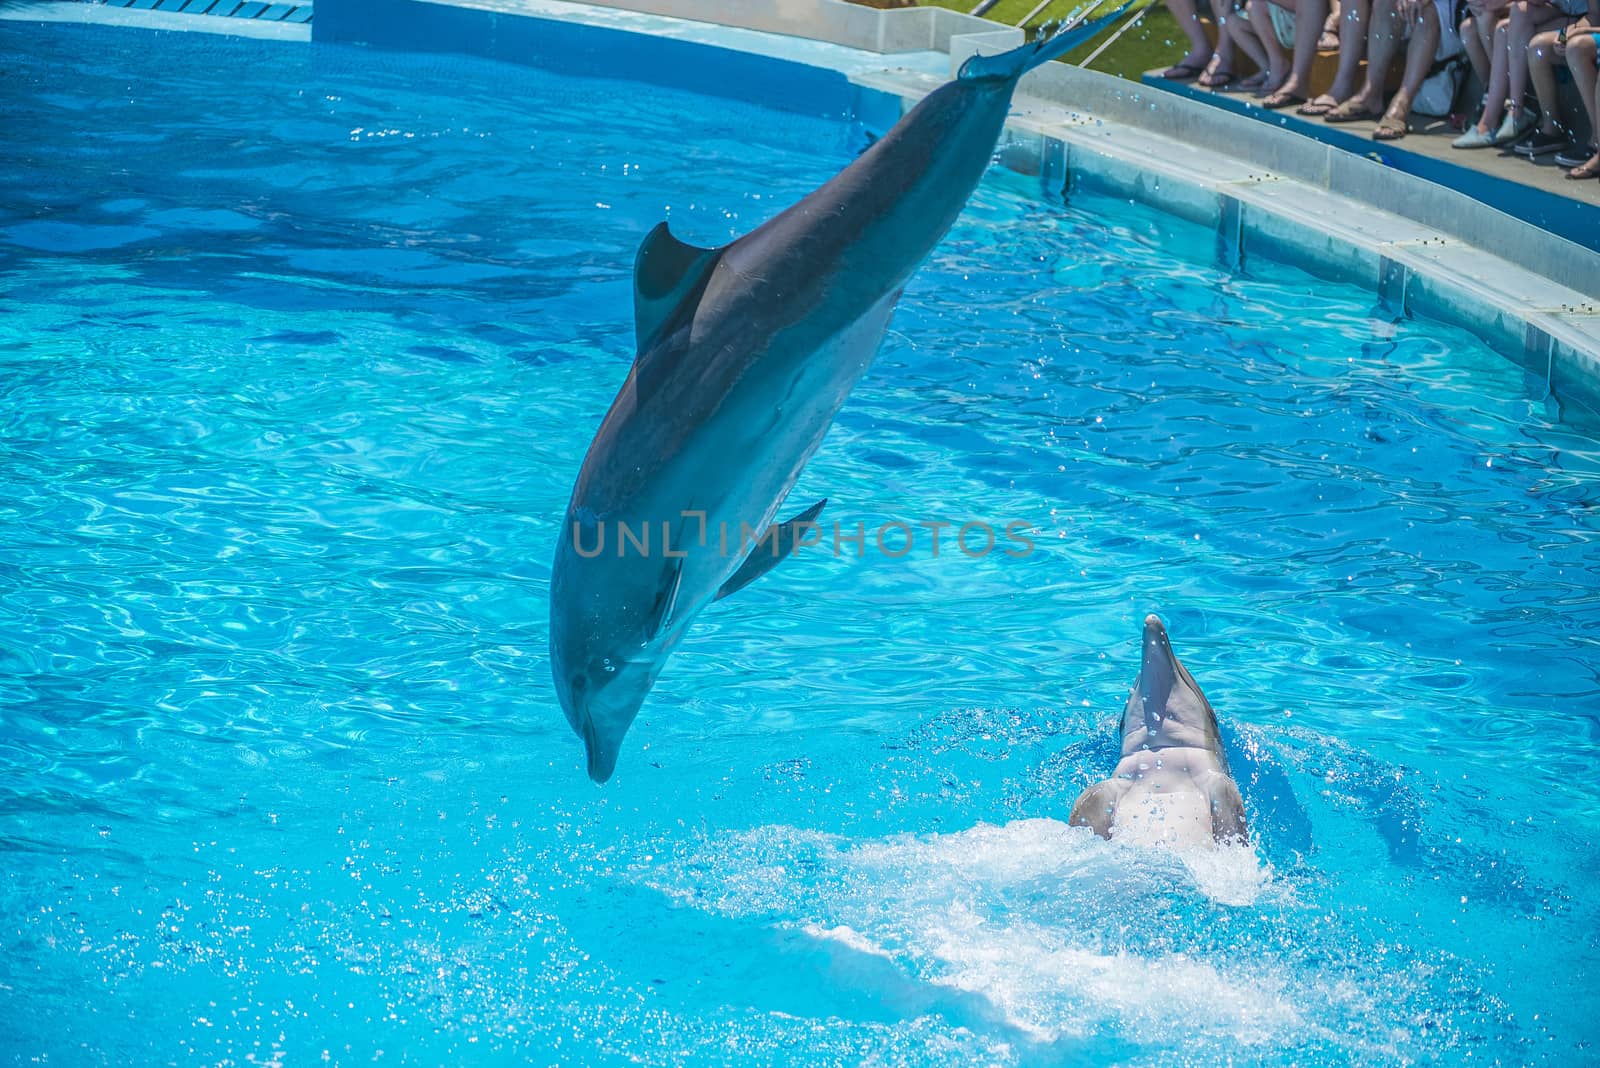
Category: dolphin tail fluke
<point>1018,61</point>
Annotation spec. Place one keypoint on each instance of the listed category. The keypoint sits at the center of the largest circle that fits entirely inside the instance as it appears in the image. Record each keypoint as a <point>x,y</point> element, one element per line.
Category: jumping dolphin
<point>1172,784</point>
<point>745,353</point>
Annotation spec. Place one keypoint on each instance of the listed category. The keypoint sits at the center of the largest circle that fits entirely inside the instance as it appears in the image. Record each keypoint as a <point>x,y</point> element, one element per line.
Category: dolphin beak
<point>602,715</point>
<point>602,754</point>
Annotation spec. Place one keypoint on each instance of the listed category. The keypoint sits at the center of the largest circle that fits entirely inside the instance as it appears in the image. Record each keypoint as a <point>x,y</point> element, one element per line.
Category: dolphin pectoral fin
<point>667,600</point>
<point>665,274</point>
<point>1096,807</point>
<point>771,549</point>
<point>1227,812</point>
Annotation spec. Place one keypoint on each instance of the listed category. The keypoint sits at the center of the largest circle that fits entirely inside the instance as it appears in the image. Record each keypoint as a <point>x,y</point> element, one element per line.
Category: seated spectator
<point>1544,52</point>
<point>1212,68</point>
<point>1427,27</point>
<point>1352,37</point>
<point>1529,18</point>
<point>1483,32</point>
<point>1505,118</point>
<point>1237,26</point>
<point>1583,56</point>
<point>1293,24</point>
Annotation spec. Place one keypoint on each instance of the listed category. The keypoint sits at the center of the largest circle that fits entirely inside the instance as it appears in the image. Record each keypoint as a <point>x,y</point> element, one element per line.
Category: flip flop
<point>1317,107</point>
<point>1218,79</point>
<point>1184,72</point>
<point>1279,100</point>
<point>1390,129</point>
<point>1245,85</point>
<point>1346,113</point>
<point>1585,171</point>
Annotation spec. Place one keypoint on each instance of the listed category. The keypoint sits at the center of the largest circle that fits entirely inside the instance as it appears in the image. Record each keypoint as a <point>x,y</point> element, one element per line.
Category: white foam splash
<point>1228,874</point>
<point>1039,920</point>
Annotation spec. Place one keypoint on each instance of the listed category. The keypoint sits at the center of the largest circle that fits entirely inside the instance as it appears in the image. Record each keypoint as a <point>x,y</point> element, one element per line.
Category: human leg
<point>1529,18</point>
<point>1499,79</point>
<point>1187,15</point>
<point>1309,16</point>
<point>1277,65</point>
<point>1477,49</point>
<point>1542,60</point>
<point>1352,48</point>
<point>1583,55</point>
<point>1241,34</point>
<point>1219,71</point>
<point>1583,52</point>
<point>1383,43</point>
<point>1385,38</point>
<point>1420,50</point>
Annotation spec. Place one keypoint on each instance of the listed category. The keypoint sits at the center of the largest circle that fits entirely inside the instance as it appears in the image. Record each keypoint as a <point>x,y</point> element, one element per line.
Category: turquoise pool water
<point>300,349</point>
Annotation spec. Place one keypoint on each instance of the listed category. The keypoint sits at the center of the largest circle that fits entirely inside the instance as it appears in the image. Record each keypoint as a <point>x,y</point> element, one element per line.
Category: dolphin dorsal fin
<point>666,273</point>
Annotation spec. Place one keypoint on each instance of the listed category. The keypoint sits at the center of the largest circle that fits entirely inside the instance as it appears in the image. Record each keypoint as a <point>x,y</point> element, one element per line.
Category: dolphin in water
<point>1172,784</point>
<point>745,354</point>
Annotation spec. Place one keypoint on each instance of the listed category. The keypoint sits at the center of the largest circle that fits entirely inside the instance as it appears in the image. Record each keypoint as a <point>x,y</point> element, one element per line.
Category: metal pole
<point>1109,41</point>
<point>1040,6</point>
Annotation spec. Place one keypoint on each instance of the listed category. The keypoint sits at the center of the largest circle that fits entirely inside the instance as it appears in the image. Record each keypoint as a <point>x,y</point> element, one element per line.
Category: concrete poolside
<point>1426,151</point>
<point>1433,138</point>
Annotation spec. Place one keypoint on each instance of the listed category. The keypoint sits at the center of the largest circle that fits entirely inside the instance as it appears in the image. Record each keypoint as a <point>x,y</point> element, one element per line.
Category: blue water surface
<point>300,349</point>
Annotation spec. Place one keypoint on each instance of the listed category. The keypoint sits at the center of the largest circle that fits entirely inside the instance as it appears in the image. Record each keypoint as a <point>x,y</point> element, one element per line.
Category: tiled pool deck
<point>1274,193</point>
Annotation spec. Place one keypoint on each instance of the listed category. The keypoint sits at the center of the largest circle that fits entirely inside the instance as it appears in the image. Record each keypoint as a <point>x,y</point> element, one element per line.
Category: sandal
<point>1245,85</point>
<point>1184,72</point>
<point>1585,170</point>
<point>1390,128</point>
<point>1280,99</point>
<point>1320,106</point>
<point>1350,111</point>
<point>1215,79</point>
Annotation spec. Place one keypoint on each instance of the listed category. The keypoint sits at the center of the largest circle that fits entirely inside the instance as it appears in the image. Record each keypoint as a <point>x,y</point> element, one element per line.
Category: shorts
<point>1449,34</point>
<point>1282,23</point>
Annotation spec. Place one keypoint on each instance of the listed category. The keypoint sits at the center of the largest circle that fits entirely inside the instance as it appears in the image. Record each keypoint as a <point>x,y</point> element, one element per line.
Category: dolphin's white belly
<point>1172,814</point>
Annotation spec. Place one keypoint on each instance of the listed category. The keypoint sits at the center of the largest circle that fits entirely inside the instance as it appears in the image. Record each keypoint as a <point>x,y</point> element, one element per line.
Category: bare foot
<point>1320,106</point>
<point>1273,83</point>
<point>1363,102</point>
